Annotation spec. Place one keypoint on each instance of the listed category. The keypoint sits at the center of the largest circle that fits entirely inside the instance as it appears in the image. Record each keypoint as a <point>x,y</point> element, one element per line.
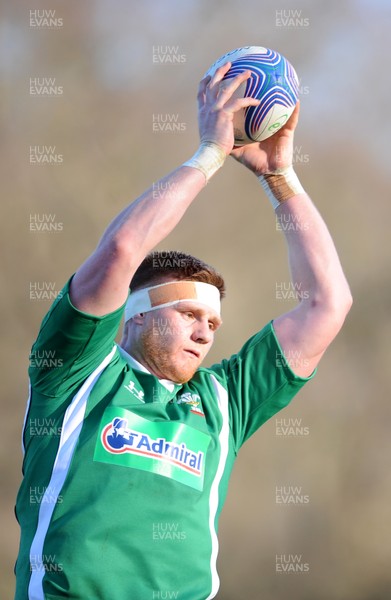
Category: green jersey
<point>125,474</point>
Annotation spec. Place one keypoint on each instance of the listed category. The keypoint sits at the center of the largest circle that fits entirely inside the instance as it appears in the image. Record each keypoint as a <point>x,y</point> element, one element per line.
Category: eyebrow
<point>196,308</point>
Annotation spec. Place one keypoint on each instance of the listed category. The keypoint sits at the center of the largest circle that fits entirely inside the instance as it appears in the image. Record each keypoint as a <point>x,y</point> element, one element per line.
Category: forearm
<point>150,218</point>
<point>101,284</point>
<point>316,271</point>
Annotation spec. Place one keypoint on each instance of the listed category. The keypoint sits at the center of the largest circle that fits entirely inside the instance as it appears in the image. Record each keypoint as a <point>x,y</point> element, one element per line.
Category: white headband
<point>168,294</point>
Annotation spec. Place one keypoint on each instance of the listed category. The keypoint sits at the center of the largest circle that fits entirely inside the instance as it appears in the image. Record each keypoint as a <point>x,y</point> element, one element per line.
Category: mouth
<point>193,353</point>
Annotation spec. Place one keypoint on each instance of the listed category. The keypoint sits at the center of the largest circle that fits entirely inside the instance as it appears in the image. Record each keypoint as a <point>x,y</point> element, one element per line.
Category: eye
<point>189,314</point>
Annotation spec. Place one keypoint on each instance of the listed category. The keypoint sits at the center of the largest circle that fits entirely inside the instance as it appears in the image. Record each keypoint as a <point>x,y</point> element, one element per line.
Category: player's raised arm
<point>101,284</point>
<point>317,276</point>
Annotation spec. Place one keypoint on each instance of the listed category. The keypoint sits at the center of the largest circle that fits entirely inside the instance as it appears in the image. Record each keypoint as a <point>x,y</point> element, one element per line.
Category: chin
<point>180,375</point>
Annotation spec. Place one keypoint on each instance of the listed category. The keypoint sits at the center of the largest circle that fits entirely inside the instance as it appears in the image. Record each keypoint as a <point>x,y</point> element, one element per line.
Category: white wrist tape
<point>208,159</point>
<point>281,185</point>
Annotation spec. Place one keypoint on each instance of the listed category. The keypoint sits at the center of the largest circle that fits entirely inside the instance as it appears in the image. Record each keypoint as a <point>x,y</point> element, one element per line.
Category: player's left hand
<point>274,153</point>
<point>217,106</point>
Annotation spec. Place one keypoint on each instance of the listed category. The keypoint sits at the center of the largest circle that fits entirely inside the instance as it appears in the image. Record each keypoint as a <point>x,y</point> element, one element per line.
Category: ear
<point>139,318</point>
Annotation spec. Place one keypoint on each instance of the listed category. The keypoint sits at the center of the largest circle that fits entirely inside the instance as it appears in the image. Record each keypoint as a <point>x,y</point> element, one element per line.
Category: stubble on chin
<point>157,355</point>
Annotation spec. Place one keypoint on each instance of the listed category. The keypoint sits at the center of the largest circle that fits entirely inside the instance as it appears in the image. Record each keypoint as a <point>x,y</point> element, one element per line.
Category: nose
<point>202,334</point>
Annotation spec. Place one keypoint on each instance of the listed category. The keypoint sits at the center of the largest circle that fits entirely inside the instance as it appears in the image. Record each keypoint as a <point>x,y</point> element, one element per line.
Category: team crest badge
<point>192,400</point>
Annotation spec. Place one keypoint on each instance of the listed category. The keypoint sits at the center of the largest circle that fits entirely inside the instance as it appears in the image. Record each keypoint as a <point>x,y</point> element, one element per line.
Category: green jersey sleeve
<point>259,381</point>
<point>69,346</point>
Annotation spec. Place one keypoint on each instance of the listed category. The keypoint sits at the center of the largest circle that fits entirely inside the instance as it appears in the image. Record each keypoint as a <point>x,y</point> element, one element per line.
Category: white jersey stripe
<point>222,400</point>
<point>25,418</point>
<point>71,427</point>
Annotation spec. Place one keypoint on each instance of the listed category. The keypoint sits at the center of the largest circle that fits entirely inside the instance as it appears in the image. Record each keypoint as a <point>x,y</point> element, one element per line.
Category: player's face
<point>176,339</point>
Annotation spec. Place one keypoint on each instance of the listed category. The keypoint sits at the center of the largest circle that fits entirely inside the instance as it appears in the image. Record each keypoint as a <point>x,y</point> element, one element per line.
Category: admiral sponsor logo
<point>118,439</point>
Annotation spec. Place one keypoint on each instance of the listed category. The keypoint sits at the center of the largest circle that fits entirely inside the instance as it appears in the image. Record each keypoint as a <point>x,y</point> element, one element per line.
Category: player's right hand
<point>216,107</point>
<point>276,152</point>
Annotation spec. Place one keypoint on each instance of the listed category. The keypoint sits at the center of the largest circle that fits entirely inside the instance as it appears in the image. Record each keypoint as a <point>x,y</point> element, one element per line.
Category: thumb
<point>293,120</point>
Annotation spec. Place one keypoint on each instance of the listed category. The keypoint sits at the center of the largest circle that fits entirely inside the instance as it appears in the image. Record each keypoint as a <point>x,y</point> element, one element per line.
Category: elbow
<point>344,306</point>
<point>348,302</point>
<point>335,309</point>
<point>120,250</point>
<point>344,302</point>
<point>337,299</point>
<point>331,306</point>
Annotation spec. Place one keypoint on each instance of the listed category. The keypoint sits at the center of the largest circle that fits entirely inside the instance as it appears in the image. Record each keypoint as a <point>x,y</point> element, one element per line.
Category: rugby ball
<point>273,81</point>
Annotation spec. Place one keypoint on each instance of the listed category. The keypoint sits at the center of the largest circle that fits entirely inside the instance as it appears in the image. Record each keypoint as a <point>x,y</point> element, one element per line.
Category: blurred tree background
<point>112,82</point>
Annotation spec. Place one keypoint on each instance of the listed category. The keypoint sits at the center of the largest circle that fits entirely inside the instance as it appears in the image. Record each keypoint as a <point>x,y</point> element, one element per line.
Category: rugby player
<point>143,438</point>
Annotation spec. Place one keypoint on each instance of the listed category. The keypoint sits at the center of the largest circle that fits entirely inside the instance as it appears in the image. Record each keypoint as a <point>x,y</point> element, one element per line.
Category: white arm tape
<point>208,159</point>
<point>281,185</point>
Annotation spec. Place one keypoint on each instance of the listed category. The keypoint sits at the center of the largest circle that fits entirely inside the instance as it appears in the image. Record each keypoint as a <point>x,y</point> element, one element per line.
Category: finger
<point>227,90</point>
<point>202,89</point>
<point>291,123</point>
<point>239,103</point>
<point>219,74</point>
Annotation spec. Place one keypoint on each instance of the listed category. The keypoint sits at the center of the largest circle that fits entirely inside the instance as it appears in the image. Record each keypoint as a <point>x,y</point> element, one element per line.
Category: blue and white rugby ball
<point>273,81</point>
